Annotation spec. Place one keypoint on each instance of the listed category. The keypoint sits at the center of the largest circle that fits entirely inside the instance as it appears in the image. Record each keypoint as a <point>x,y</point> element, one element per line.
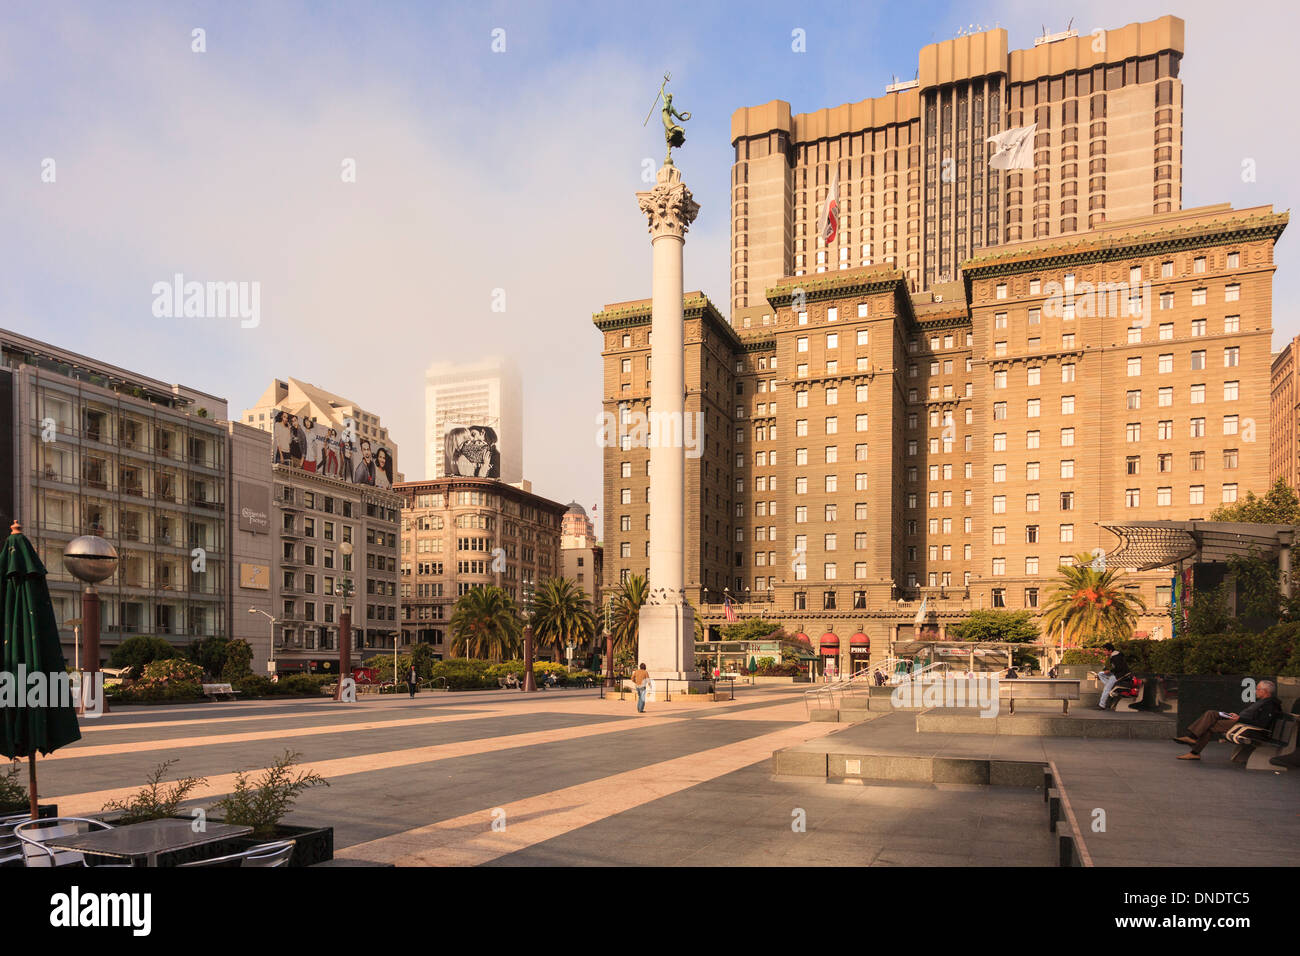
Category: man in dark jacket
<point>1116,670</point>
<point>1258,714</point>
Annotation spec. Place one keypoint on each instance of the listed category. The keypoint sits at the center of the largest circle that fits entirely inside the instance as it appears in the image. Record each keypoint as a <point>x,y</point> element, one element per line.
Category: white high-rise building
<point>473,420</point>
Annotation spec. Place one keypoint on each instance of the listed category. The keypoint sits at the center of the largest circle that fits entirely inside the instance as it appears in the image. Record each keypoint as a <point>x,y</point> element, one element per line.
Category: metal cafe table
<point>149,839</point>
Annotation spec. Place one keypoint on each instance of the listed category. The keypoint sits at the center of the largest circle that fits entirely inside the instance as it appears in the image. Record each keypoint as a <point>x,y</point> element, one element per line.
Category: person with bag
<point>642,682</point>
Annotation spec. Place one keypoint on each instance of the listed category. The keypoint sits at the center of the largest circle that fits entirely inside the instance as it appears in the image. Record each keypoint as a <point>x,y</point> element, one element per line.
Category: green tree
<point>1009,627</point>
<point>562,614</point>
<point>485,624</point>
<point>209,653</point>
<point>1278,506</point>
<point>628,601</point>
<point>238,662</point>
<point>1091,606</point>
<point>755,629</point>
<point>140,650</point>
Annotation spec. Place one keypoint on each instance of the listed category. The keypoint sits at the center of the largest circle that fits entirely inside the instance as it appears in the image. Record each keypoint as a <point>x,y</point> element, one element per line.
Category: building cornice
<point>836,285</point>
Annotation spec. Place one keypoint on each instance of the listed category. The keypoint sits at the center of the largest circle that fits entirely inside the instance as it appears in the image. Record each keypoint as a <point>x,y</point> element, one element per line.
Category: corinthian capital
<point>669,207</point>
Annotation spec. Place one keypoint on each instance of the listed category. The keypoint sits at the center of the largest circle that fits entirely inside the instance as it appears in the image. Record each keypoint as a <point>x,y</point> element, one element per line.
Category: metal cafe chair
<point>32,834</point>
<point>265,854</point>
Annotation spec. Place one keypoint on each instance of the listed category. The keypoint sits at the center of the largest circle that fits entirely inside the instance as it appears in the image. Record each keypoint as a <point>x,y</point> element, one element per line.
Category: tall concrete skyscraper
<point>916,191</point>
<point>473,420</point>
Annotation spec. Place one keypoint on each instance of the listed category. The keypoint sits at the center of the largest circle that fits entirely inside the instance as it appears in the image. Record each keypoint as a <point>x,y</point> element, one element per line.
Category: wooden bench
<point>1063,689</point>
<point>217,691</point>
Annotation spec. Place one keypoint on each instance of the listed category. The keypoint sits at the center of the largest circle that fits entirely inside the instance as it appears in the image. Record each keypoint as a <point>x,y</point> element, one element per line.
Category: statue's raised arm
<point>674,135</point>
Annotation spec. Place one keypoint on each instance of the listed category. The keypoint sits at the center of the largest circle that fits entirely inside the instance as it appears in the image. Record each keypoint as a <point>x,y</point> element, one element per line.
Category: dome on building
<point>576,509</point>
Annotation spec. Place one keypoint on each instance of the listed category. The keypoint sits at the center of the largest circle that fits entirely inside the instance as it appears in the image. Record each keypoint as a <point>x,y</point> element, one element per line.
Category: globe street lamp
<point>270,665</point>
<point>90,559</point>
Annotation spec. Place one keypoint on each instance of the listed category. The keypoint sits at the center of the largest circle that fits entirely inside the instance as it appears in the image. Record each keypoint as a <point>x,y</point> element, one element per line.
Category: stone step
<point>1095,724</point>
<point>910,769</point>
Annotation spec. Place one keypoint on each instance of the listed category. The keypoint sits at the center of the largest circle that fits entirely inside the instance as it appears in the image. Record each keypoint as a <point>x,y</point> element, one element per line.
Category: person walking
<point>411,680</point>
<point>641,679</point>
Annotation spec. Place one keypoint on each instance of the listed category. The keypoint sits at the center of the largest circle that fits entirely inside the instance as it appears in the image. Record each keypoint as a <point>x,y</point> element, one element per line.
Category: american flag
<point>729,611</point>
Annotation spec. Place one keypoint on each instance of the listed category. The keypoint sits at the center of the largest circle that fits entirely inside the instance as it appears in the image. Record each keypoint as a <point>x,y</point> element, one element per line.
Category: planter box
<point>760,679</point>
<point>44,811</point>
<point>312,845</point>
<point>1074,671</point>
<point>1198,693</point>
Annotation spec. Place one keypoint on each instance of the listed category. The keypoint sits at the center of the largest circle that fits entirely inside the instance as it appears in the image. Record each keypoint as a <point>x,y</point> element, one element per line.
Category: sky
<point>492,206</point>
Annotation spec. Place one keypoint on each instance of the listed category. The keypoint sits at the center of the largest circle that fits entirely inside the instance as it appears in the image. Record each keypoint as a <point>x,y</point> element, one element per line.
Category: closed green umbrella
<point>31,642</point>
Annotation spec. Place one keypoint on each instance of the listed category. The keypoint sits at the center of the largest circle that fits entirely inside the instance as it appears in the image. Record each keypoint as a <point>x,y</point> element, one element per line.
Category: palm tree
<point>562,613</point>
<point>485,624</point>
<point>628,601</point>
<point>1091,606</point>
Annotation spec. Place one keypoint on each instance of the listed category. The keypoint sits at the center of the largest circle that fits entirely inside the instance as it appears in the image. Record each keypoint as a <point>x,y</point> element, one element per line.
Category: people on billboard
<point>472,452</point>
<point>307,443</point>
<point>365,470</point>
<point>383,468</point>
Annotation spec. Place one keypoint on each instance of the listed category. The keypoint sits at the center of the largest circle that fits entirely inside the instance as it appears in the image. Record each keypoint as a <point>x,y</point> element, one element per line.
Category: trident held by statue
<point>674,135</point>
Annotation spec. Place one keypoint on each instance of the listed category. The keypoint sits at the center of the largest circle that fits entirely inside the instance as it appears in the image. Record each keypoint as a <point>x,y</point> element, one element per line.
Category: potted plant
<point>153,801</point>
<point>14,798</point>
<point>261,803</point>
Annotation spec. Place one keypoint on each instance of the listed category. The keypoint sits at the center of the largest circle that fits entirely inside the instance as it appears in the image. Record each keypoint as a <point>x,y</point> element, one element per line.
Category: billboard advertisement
<point>330,450</point>
<point>471,451</point>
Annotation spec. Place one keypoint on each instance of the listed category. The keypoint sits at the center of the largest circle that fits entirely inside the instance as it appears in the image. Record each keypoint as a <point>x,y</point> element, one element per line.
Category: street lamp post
<point>530,682</point>
<point>270,665</point>
<point>344,590</point>
<point>90,559</point>
<point>609,642</point>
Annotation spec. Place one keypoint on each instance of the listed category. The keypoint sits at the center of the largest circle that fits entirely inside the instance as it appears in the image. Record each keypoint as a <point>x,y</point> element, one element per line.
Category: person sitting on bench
<point>1258,714</point>
<point>1117,670</point>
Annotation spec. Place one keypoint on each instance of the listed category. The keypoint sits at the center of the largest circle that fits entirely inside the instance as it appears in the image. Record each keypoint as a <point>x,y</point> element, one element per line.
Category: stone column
<point>667,626</point>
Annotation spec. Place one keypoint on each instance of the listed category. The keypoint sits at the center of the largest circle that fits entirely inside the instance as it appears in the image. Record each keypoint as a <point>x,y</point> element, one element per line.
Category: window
<point>1232,323</point>
<point>1165,364</point>
<point>999,567</point>
<point>1032,407</point>
<point>999,473</point>
<point>1165,462</point>
<point>1031,502</point>
<point>1031,439</point>
<point>999,411</point>
<point>1031,471</point>
<point>1134,399</point>
<point>1067,468</point>
<point>1198,328</point>
<point>1231,356</point>
<point>1033,376</point>
<point>1196,461</point>
<point>801,344</point>
<point>1229,493</point>
<point>1134,366</point>
<point>1198,395</point>
<point>1230,391</point>
<point>1165,430</point>
<point>1229,424</point>
<point>1067,437</point>
<point>1067,404</point>
<point>1231,292</point>
<point>1000,535</point>
<point>1198,360</point>
<point>1067,372</point>
<point>1196,495</point>
<point>999,504</point>
<point>1132,498</point>
<point>1067,500</point>
<point>1067,533</point>
<point>1198,428</point>
<point>1133,465</point>
<point>1031,534</point>
<point>1165,396</point>
<point>1229,458</point>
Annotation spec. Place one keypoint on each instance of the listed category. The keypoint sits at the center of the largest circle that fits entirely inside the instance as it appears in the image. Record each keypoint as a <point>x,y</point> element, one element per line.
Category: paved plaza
<point>571,779</point>
<point>580,781</point>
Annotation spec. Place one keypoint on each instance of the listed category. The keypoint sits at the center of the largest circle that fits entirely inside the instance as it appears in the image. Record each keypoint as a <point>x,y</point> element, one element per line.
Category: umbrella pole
<point>31,782</point>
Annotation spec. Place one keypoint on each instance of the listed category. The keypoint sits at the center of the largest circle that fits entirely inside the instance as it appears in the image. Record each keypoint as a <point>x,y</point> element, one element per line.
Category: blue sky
<point>476,171</point>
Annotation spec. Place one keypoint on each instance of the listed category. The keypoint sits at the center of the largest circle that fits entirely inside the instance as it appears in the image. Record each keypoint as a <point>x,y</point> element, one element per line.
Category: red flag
<point>729,611</point>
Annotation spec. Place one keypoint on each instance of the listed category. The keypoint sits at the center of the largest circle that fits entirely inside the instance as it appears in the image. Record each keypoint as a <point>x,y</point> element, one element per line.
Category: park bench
<point>217,691</point>
<point>1058,688</point>
<point>1280,736</point>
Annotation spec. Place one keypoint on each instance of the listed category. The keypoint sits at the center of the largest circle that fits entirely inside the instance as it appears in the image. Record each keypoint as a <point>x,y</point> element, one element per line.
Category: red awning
<point>860,640</point>
<point>830,644</point>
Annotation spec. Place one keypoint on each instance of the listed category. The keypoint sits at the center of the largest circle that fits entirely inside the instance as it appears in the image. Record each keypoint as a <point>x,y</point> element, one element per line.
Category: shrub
<point>239,658</point>
<point>254,685</point>
<point>1216,654</point>
<point>1086,656</point>
<point>1167,656</point>
<point>263,803</point>
<point>210,654</point>
<point>13,795</point>
<point>463,673</point>
<point>145,691</point>
<point>140,650</point>
<point>309,684</point>
<point>152,802</point>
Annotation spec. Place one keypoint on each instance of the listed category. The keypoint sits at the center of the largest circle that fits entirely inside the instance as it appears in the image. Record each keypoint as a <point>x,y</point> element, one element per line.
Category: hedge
<point>1274,651</point>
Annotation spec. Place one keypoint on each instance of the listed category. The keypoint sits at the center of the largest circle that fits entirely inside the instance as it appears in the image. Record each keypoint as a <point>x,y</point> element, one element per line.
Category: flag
<point>920,612</point>
<point>829,224</point>
<point>1013,148</point>
<point>729,611</point>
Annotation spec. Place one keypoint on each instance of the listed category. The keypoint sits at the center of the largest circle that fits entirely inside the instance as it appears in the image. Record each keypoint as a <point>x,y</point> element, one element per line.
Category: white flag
<point>1013,148</point>
<point>920,612</point>
<point>828,224</point>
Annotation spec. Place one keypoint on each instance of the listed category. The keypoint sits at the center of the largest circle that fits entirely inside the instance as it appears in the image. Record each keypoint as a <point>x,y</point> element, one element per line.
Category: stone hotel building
<point>867,447</point>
